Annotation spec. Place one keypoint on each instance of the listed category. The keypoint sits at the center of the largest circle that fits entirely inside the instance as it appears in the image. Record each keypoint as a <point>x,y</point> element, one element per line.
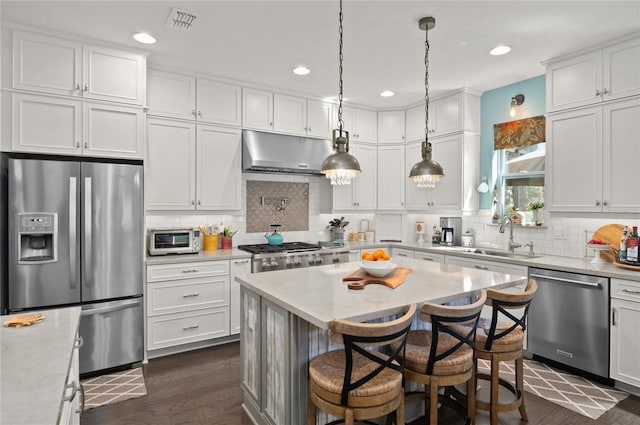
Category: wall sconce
<point>516,100</point>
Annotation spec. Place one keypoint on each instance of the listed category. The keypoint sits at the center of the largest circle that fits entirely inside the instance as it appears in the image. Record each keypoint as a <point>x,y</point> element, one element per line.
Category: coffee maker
<point>451,231</point>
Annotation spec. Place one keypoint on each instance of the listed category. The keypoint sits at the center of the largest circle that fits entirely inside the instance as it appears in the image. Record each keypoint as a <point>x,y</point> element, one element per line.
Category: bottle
<point>622,256</point>
<point>632,247</point>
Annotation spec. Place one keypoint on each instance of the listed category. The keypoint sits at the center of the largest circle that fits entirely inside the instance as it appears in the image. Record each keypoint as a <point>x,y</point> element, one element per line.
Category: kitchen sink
<point>488,251</point>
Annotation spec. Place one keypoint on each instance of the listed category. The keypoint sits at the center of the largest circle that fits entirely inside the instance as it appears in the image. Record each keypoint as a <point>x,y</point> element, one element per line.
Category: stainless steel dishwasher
<point>569,320</point>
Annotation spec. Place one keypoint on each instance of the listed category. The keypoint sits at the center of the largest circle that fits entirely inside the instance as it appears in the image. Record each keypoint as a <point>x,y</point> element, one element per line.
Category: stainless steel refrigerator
<point>75,237</point>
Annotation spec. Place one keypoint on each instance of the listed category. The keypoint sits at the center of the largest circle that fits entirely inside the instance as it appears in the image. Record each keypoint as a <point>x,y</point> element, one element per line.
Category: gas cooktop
<point>265,248</point>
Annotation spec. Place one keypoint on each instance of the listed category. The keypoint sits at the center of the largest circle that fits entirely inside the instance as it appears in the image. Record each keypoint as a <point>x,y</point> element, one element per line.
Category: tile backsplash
<point>283,203</point>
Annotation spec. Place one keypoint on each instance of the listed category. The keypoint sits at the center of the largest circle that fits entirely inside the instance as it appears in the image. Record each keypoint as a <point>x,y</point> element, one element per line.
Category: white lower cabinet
<point>187,302</point>
<point>625,345</point>
<point>428,256</point>
<point>72,404</point>
<point>399,255</point>
<point>239,267</point>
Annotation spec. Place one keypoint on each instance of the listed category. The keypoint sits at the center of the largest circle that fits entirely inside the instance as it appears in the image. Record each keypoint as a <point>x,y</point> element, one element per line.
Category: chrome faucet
<point>530,245</point>
<point>512,244</point>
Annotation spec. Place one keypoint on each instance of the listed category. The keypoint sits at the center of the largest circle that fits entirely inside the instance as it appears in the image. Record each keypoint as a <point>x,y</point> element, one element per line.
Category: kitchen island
<point>286,316</point>
<point>39,370</point>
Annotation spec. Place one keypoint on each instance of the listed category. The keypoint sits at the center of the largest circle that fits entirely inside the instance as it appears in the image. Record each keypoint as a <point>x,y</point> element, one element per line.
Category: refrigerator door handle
<point>110,309</point>
<point>73,281</point>
<point>88,261</point>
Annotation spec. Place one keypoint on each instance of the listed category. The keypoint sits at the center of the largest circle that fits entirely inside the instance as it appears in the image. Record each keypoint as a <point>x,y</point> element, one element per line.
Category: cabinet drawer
<point>399,252</point>
<point>625,290</point>
<point>175,329</point>
<point>187,294</point>
<point>428,256</point>
<point>161,272</point>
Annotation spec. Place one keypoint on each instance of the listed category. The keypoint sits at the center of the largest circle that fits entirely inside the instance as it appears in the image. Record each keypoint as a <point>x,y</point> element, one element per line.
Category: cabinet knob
<point>193,112</point>
<point>271,124</point>
<point>86,145</point>
<point>77,144</point>
<point>86,87</point>
<point>605,91</point>
<point>199,203</point>
<point>77,86</point>
<point>605,203</point>
<point>309,129</point>
<point>597,203</point>
<point>193,202</point>
<point>200,113</point>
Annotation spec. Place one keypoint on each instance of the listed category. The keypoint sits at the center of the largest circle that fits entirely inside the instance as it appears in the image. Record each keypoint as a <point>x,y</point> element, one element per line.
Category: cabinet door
<point>400,255</point>
<point>251,347</point>
<point>417,197</point>
<point>344,197</point>
<point>275,375</point>
<point>257,109</point>
<point>366,181</point>
<point>574,82</point>
<point>621,156</point>
<point>625,345</point>
<point>218,103</point>
<point>114,75</point>
<point>290,114</point>
<point>170,166</point>
<point>415,123</point>
<point>113,131</point>
<point>171,95</point>
<point>391,127</point>
<point>46,124</point>
<point>218,168</point>
<point>428,256</point>
<point>447,115</point>
<point>366,125</point>
<point>574,160</point>
<point>238,267</point>
<point>319,119</point>
<point>621,74</point>
<point>391,177</point>
<point>349,120</point>
<point>447,195</point>
<point>62,60</point>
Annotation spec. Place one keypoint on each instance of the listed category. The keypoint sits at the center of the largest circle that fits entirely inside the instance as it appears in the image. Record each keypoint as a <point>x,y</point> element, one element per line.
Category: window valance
<point>519,133</point>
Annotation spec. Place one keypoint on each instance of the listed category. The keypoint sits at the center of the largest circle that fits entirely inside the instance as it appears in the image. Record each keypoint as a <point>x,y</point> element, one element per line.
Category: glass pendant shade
<point>427,172</point>
<point>340,166</point>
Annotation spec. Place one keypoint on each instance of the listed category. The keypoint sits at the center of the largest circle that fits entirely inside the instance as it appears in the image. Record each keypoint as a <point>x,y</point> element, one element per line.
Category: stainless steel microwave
<point>174,241</point>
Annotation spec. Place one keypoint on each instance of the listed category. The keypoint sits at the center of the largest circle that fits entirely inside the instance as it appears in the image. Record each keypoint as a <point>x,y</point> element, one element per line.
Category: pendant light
<point>340,166</point>
<point>427,172</point>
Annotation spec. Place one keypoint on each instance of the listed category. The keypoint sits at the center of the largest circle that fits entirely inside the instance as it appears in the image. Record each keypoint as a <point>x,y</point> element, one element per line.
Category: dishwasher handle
<point>565,280</point>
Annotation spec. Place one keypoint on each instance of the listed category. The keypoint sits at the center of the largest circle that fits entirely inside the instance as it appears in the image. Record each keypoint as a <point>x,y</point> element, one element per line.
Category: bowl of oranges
<point>377,263</point>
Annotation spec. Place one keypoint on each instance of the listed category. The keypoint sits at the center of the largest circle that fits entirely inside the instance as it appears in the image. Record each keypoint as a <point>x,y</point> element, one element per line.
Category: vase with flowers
<point>336,228</point>
<point>537,210</point>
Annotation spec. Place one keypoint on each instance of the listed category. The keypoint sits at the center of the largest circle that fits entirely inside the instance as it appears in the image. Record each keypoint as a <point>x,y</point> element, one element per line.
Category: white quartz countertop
<point>318,294</point>
<point>219,254</point>
<point>34,365</point>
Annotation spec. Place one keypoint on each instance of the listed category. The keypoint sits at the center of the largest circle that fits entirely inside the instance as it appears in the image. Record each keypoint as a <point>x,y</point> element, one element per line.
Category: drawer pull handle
<point>481,267</point>
<point>195,294</point>
<point>427,259</point>
<point>630,291</point>
<point>190,327</point>
<point>190,271</point>
<point>241,261</point>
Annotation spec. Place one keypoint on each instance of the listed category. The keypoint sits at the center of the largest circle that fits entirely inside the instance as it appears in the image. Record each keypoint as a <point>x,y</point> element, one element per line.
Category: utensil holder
<point>227,242</point>
<point>210,242</point>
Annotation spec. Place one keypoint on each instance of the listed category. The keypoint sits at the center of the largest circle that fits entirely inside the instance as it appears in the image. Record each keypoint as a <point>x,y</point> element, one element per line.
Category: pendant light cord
<point>340,122</point>
<point>426,86</point>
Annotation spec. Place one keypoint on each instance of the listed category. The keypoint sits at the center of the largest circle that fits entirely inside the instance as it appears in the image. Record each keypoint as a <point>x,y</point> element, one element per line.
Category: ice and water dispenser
<point>37,238</point>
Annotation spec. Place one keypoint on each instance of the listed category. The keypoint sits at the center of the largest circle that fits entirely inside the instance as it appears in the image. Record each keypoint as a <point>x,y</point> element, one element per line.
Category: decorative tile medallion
<point>283,203</point>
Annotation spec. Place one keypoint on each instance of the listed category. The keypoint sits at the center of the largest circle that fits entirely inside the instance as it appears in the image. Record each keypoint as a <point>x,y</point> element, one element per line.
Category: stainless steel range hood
<point>277,153</point>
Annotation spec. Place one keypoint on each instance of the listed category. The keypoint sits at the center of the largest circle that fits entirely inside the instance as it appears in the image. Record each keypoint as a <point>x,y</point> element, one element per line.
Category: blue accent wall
<point>494,109</point>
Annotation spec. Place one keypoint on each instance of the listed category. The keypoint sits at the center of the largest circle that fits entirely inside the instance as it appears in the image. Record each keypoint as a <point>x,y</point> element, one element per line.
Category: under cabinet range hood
<point>277,153</point>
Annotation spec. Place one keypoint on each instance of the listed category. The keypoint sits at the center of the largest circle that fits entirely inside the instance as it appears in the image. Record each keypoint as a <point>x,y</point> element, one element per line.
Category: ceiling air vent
<point>180,19</point>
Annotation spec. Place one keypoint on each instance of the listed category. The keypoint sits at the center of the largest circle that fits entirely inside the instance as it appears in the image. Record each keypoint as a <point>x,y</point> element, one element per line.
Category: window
<point>520,154</point>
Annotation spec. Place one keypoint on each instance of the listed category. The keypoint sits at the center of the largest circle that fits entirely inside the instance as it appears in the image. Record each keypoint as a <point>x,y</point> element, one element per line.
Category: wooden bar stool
<point>441,357</point>
<point>501,339</point>
<point>358,383</point>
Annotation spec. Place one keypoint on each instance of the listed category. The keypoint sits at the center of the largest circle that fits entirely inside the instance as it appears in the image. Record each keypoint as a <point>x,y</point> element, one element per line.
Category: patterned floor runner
<point>576,393</point>
<point>112,388</point>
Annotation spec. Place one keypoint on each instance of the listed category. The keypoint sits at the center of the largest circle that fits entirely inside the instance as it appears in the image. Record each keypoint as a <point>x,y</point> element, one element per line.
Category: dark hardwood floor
<point>202,387</point>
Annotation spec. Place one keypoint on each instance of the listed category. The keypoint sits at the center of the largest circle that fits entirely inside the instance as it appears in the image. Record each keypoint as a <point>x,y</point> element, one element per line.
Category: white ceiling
<point>260,42</point>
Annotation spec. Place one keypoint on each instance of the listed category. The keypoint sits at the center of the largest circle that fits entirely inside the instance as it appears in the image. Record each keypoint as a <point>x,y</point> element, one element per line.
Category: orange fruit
<point>364,254</point>
<point>386,257</point>
<point>369,257</point>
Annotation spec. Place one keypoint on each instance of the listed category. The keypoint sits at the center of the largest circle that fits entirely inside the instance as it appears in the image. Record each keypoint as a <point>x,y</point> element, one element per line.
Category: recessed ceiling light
<point>500,50</point>
<point>301,70</point>
<point>387,93</point>
<point>143,37</point>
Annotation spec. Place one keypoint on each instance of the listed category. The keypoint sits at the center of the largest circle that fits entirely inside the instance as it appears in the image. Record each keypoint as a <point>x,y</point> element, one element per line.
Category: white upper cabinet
<point>417,198</point>
<point>257,109</point>
<point>192,167</point>
<point>391,177</point>
<point>391,127</point>
<point>295,115</point>
<point>184,97</point>
<point>361,124</point>
<point>451,113</point>
<point>603,140</point>
<point>52,65</point>
<point>360,194</point>
<point>597,76</point>
<point>319,119</point>
<point>67,126</point>
<point>290,114</point>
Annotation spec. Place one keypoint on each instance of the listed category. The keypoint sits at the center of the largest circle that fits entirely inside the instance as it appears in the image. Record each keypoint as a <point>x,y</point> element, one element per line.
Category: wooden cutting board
<point>611,234</point>
<point>360,278</point>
